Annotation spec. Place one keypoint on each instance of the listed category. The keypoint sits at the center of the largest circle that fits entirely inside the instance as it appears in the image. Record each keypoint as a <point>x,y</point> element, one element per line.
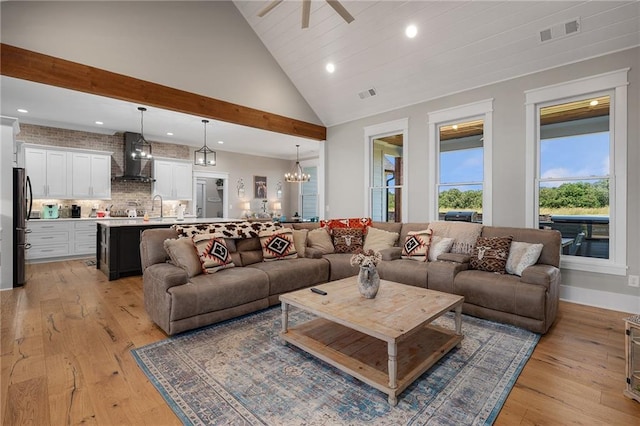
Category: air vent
<point>367,93</point>
<point>561,30</point>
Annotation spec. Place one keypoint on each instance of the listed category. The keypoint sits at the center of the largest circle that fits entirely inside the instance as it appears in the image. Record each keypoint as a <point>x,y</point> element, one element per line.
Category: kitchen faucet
<point>153,202</point>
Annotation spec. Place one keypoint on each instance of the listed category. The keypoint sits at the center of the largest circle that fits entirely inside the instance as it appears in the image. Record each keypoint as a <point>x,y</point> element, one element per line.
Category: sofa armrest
<point>312,253</point>
<point>391,253</point>
<point>545,275</point>
<point>440,275</point>
<point>454,257</point>
<point>157,279</point>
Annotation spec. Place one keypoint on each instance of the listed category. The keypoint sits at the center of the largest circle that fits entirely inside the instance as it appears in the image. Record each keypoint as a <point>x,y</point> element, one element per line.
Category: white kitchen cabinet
<point>84,237</point>
<point>90,176</point>
<point>48,171</point>
<point>173,179</point>
<point>48,239</point>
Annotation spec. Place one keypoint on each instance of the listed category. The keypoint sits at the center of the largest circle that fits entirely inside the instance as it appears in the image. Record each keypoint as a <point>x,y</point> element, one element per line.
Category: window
<point>576,173</point>
<point>459,168</point>
<point>385,168</point>
<point>386,188</point>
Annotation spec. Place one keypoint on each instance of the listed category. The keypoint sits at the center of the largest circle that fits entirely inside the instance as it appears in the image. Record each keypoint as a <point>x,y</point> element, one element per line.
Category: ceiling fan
<point>306,10</point>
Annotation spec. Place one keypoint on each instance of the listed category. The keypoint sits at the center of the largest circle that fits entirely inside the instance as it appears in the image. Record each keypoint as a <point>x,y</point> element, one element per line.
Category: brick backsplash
<point>124,195</point>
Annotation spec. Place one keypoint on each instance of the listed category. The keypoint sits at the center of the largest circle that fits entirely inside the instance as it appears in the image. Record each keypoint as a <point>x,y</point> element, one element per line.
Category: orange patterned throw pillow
<point>490,254</point>
<point>278,245</point>
<point>357,222</point>
<point>213,252</point>
<point>416,245</point>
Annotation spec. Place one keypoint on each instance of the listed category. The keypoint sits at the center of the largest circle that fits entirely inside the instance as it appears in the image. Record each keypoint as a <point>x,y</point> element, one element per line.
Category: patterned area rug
<point>239,372</point>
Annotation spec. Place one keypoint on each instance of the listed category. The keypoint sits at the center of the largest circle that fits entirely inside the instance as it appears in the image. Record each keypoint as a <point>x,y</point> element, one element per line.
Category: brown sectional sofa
<point>178,303</point>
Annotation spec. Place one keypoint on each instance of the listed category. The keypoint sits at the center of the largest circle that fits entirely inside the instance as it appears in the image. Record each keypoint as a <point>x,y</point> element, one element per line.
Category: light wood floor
<point>67,336</point>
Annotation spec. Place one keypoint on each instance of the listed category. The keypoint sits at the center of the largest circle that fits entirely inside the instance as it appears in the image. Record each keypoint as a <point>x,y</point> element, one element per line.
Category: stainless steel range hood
<point>133,169</point>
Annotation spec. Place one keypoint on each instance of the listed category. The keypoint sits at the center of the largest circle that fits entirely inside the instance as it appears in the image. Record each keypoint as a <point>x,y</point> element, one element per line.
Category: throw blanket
<point>227,229</point>
<point>464,234</point>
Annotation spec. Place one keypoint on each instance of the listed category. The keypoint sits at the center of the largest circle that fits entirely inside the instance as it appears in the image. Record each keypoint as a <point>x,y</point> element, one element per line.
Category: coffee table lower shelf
<point>367,359</point>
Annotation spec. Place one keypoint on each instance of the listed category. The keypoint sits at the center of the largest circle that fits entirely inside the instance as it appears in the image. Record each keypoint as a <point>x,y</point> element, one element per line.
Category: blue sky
<point>574,156</point>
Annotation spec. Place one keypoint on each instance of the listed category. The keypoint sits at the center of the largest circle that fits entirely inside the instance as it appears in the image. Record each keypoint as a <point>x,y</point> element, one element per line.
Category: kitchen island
<point>118,242</point>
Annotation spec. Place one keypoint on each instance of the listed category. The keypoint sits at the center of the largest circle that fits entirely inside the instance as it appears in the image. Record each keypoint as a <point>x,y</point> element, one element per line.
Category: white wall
<point>205,47</point>
<point>345,162</point>
<point>9,128</point>
<point>246,167</point>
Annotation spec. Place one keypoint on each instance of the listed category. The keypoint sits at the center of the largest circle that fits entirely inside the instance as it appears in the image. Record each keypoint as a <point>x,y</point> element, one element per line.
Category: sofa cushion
<point>278,245</point>
<point>320,240</point>
<point>293,274</point>
<point>387,226</point>
<point>490,254</point>
<point>439,245</point>
<point>379,239</point>
<point>213,252</point>
<point>300,241</point>
<point>416,245</point>
<point>183,253</point>
<point>549,237</point>
<point>464,234</point>
<point>340,266</point>
<point>347,240</point>
<point>222,290</point>
<point>522,255</point>
<point>501,292</point>
<point>404,271</point>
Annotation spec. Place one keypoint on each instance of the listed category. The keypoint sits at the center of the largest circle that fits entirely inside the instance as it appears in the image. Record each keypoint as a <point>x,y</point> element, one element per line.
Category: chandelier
<point>141,148</point>
<point>204,156</point>
<point>296,174</point>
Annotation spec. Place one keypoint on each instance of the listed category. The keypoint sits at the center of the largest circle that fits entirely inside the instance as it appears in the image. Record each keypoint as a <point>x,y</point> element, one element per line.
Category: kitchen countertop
<point>109,223</point>
<point>60,219</point>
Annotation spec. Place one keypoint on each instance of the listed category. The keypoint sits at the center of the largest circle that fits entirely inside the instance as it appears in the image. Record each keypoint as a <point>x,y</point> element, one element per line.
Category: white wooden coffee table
<point>350,332</point>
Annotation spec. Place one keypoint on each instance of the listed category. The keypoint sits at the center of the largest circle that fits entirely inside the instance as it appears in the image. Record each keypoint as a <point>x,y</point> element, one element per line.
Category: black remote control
<point>315,290</point>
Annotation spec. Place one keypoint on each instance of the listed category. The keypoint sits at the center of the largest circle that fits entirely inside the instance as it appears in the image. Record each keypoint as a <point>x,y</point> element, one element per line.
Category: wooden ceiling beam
<point>32,66</point>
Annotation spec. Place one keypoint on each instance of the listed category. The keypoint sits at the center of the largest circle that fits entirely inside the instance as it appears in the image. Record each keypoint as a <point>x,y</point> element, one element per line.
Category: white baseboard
<point>601,299</point>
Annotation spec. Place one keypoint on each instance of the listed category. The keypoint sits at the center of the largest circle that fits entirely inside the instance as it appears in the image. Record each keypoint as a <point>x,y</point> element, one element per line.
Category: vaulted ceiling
<point>459,45</point>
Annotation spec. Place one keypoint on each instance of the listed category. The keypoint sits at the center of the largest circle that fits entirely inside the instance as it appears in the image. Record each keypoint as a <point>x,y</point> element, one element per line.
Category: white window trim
<point>618,82</point>
<point>400,126</point>
<point>483,109</point>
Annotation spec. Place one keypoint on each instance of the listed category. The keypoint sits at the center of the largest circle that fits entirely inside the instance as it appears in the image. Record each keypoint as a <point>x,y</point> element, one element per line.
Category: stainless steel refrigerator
<point>22,203</point>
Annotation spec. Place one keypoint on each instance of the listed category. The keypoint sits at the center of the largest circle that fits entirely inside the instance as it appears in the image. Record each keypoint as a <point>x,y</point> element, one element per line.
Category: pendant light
<point>204,156</point>
<point>296,174</point>
<point>141,148</point>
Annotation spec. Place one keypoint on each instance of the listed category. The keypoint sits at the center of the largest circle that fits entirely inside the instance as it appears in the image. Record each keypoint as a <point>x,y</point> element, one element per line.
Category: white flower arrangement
<point>366,258</point>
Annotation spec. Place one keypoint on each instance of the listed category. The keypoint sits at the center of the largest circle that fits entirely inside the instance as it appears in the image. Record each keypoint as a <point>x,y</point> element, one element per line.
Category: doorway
<point>211,197</point>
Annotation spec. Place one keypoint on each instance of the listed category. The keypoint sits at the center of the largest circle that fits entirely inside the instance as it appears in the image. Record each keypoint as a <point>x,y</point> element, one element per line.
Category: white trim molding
<point>400,126</point>
<point>616,83</point>
<point>600,299</point>
<point>482,109</point>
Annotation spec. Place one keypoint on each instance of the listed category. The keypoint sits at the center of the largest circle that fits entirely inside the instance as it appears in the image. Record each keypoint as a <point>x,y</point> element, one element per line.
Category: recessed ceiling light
<point>220,142</point>
<point>169,134</point>
<point>99,123</point>
<point>22,110</point>
<point>411,31</point>
<point>593,102</point>
<point>455,127</point>
<point>330,67</point>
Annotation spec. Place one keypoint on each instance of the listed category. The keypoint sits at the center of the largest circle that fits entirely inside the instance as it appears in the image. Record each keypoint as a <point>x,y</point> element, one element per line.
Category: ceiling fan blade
<point>270,6</point>
<point>339,8</point>
<point>306,11</point>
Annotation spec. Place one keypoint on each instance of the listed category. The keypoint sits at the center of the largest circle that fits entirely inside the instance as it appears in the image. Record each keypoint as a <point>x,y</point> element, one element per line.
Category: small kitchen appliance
<point>75,211</point>
<point>50,211</point>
